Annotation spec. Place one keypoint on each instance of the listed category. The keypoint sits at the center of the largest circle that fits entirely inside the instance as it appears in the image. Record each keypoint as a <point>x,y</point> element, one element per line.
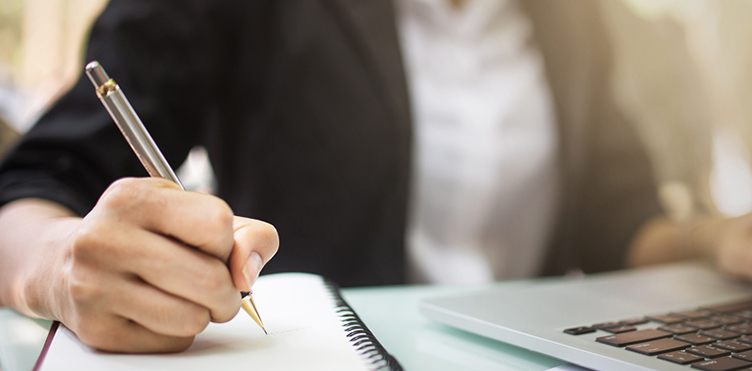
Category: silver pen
<point>142,144</point>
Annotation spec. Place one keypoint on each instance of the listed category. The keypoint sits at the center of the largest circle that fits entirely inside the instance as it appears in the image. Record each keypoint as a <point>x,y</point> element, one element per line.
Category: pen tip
<point>265,333</point>
<point>250,307</point>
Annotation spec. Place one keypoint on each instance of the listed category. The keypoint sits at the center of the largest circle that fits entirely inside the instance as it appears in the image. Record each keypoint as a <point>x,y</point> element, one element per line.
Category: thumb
<point>255,242</point>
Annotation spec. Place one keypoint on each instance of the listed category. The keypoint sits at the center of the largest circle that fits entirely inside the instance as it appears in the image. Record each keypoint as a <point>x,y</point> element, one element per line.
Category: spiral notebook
<point>310,328</point>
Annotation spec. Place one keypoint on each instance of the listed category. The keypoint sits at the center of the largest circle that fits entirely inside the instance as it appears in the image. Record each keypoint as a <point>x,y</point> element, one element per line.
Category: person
<point>379,149</point>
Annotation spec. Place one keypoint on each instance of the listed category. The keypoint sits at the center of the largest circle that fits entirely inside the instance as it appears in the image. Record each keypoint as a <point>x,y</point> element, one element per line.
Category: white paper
<point>305,333</point>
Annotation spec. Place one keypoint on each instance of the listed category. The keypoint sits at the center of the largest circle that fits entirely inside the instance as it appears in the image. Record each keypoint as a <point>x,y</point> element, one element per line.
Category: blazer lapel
<point>373,26</point>
<point>577,58</point>
<point>560,35</point>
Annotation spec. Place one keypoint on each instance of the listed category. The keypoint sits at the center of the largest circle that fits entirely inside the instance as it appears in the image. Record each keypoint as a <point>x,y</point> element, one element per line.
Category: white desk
<point>390,312</point>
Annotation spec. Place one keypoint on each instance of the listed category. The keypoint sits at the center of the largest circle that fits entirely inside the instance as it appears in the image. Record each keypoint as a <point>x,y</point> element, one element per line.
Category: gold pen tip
<point>250,308</point>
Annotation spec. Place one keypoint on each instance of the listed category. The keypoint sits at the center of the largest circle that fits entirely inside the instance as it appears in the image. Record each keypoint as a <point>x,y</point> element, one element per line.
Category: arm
<point>724,241</point>
<point>123,278</point>
<point>661,240</point>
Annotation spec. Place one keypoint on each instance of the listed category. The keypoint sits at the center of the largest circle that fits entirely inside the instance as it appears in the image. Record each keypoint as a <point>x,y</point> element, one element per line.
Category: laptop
<point>674,317</point>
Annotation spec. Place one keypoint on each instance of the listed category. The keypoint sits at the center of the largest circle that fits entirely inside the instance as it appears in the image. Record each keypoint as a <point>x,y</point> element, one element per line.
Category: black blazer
<point>303,108</point>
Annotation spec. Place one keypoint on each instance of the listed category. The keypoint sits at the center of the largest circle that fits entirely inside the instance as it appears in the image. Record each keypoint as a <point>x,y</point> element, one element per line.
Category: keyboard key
<point>731,307</point>
<point>682,358</point>
<point>695,339</point>
<point>733,345</point>
<point>666,318</point>
<point>745,339</point>
<point>708,351</point>
<point>620,329</point>
<point>693,314</point>
<point>746,314</point>
<point>726,319</point>
<point>746,355</point>
<point>602,326</point>
<point>720,334</point>
<point>633,337</point>
<point>703,324</point>
<point>634,321</point>
<point>722,364</point>
<point>579,330</point>
<point>659,346</point>
<point>742,328</point>
<point>678,328</point>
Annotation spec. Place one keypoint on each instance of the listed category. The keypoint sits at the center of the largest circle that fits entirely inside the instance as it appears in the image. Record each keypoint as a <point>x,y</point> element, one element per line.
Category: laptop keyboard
<point>716,338</point>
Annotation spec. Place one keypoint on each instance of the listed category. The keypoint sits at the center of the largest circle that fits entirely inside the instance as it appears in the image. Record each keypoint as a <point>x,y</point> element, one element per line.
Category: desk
<point>390,312</point>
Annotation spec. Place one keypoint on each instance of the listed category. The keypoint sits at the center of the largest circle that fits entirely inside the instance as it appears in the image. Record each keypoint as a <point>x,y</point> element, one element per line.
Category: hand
<point>150,266</point>
<point>732,244</point>
<point>725,241</point>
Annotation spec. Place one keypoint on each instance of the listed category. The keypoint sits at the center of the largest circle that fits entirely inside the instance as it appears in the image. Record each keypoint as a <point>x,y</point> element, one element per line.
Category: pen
<point>143,145</point>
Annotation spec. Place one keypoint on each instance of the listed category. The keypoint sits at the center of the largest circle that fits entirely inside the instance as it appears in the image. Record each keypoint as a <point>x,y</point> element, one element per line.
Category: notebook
<point>675,317</point>
<point>310,328</point>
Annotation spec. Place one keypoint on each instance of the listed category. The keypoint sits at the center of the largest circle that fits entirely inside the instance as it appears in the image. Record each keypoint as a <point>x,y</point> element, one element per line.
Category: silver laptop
<point>673,317</point>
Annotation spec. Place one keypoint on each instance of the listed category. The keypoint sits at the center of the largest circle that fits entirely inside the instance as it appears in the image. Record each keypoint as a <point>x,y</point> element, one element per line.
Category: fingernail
<point>247,277</point>
<point>252,268</point>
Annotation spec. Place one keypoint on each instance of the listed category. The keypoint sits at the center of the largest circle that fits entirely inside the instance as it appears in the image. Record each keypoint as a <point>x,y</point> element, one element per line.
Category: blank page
<point>299,311</point>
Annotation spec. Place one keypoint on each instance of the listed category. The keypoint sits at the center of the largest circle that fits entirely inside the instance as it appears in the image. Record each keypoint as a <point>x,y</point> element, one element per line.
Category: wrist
<point>45,293</point>
<point>32,251</point>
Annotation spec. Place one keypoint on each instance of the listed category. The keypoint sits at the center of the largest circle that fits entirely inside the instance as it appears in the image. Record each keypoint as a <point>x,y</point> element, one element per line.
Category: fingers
<point>255,243</point>
<point>121,335</point>
<point>198,220</point>
<point>166,315</point>
<point>731,245</point>
<point>173,268</point>
<point>134,338</point>
<point>112,312</point>
<point>736,258</point>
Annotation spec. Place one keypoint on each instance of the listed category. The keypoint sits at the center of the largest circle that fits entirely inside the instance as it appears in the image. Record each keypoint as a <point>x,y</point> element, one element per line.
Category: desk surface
<point>390,312</point>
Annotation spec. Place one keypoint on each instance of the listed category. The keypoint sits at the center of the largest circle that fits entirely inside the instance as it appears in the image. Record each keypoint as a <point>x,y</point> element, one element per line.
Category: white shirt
<point>485,178</point>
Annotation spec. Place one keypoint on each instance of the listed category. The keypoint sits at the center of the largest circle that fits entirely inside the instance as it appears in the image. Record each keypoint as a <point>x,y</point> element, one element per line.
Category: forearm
<point>662,240</point>
<point>32,236</point>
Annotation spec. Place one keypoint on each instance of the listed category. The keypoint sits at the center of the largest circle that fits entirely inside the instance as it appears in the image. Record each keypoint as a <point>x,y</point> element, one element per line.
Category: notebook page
<point>298,310</point>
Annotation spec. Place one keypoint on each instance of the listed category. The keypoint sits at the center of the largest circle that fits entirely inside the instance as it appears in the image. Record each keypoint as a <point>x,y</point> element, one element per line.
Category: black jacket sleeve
<point>164,55</point>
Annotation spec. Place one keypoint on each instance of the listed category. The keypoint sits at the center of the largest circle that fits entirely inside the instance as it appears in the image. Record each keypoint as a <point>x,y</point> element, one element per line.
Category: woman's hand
<point>145,271</point>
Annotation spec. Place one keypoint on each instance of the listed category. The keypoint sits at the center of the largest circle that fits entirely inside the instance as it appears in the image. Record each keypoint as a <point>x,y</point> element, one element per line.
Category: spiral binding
<point>360,336</point>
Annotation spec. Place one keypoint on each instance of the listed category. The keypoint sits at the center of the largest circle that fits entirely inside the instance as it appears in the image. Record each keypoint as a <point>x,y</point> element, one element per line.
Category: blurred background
<point>682,72</point>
